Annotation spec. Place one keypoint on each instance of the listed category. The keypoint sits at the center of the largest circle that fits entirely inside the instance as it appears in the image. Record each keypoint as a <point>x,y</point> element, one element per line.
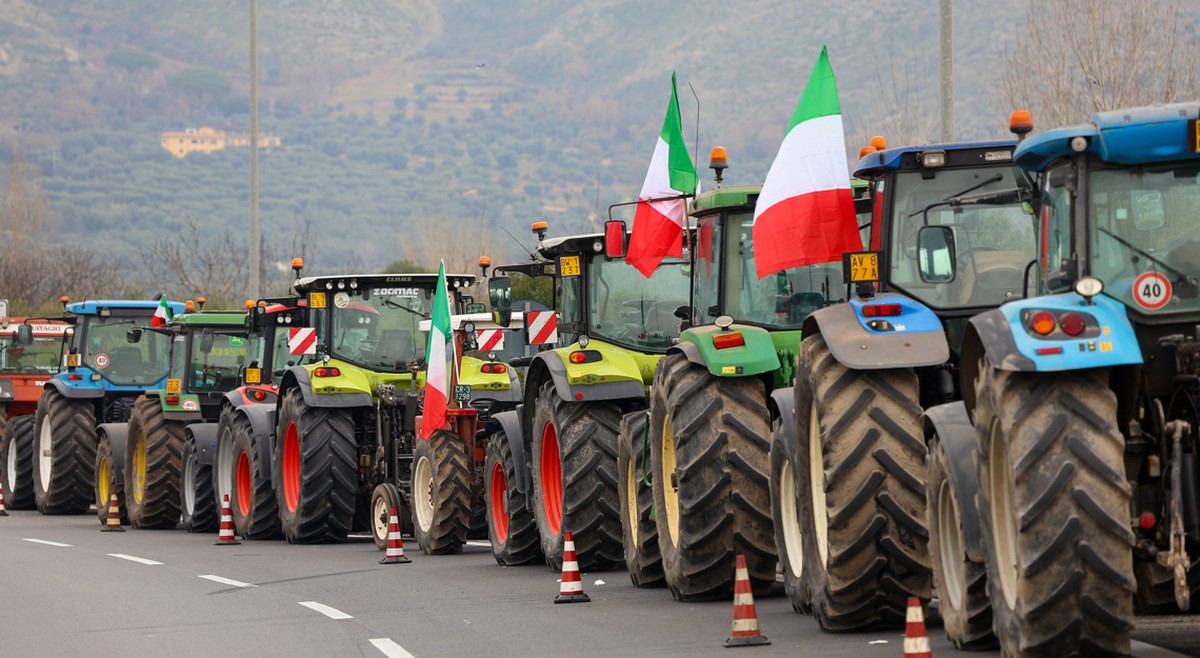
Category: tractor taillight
<point>327,372</point>
<point>172,399</point>
<point>584,356</point>
<point>259,395</point>
<point>495,368</point>
<point>1042,322</point>
<point>729,339</point>
<point>880,310</point>
<point>1072,324</point>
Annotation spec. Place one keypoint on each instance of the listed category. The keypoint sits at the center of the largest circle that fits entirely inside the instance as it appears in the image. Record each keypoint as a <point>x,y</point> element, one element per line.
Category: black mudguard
<point>957,437</point>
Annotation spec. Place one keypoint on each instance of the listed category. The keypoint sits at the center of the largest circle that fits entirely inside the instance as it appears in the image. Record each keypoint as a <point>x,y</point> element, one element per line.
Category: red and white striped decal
<point>490,339</point>
<point>302,340</point>
<point>542,327</point>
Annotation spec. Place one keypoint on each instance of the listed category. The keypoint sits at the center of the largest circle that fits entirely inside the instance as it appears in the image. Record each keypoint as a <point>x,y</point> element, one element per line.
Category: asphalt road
<point>68,589</point>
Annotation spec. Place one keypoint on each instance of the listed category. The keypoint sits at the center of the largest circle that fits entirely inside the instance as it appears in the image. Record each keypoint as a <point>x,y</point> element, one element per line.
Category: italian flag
<point>162,314</point>
<point>662,208</point>
<point>805,212</point>
<point>433,415</point>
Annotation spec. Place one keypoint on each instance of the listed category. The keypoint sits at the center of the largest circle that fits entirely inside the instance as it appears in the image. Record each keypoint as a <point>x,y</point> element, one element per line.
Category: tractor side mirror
<point>206,341</point>
<point>614,238</point>
<point>25,334</point>
<point>935,246</point>
<point>133,336</point>
<point>500,294</point>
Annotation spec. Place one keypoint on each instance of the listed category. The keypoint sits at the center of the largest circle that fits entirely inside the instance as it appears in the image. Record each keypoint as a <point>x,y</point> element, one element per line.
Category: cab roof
<point>874,165</point>
<point>93,306</point>
<point>1159,133</point>
<point>569,244</point>
<point>211,319</point>
<point>351,281</point>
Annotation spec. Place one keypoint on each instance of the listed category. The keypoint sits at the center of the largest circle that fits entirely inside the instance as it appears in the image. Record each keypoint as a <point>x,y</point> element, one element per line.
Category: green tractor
<point>155,463</point>
<point>551,464</point>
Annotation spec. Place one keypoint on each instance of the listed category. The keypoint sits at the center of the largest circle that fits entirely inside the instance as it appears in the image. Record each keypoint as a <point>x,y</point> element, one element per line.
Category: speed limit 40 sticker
<point>1152,291</point>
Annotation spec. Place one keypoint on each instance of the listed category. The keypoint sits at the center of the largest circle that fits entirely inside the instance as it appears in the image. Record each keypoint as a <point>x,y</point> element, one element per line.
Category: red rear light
<point>729,339</point>
<point>172,398</point>
<point>577,357</point>
<point>1042,323</point>
<point>75,378</point>
<point>1043,351</point>
<point>327,372</point>
<point>499,368</point>
<point>487,367</point>
<point>1072,324</point>
<point>878,310</point>
<point>259,395</point>
<point>1147,520</point>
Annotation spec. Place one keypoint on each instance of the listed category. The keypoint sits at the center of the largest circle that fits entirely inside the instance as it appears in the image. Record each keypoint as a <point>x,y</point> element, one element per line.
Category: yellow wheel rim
<point>631,503</point>
<point>816,471</point>
<point>1004,516</point>
<point>102,484</point>
<point>139,467</point>
<point>670,482</point>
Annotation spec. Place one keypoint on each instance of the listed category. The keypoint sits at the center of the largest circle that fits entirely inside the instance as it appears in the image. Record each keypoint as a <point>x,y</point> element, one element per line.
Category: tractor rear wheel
<point>960,582</point>
<point>639,534</point>
<point>1054,508</point>
<point>110,480</point>
<point>785,510</point>
<point>17,459</point>
<point>198,511</point>
<point>575,480</point>
<point>511,527</point>
<point>316,471</point>
<point>384,499</point>
<point>709,449</point>
<point>152,463</point>
<point>441,486</point>
<point>64,454</point>
<point>861,469</point>
<point>252,500</point>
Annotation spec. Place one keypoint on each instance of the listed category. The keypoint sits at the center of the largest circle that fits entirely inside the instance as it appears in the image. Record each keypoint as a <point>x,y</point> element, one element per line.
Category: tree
<point>1077,57</point>
<point>201,85</point>
<point>132,60</point>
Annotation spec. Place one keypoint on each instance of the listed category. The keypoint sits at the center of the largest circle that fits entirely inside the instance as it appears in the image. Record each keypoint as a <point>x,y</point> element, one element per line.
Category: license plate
<point>462,392</point>
<point>172,385</point>
<point>862,266</point>
<point>568,266</point>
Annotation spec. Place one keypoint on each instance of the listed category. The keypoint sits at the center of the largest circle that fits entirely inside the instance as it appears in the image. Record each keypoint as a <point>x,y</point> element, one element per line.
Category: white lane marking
<point>133,558</point>
<point>227,581</point>
<point>390,648</point>
<point>332,613</point>
<point>48,543</point>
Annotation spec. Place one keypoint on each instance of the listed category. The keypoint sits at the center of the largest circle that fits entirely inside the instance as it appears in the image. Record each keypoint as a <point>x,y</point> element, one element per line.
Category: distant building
<point>206,140</point>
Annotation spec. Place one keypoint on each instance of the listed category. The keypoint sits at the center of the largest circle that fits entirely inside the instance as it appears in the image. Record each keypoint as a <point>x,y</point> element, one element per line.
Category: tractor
<point>105,374</point>
<point>158,463</point>
<point>24,370</point>
<point>551,464</point>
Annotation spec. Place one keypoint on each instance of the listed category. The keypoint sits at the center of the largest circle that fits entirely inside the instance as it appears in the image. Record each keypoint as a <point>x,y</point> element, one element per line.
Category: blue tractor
<point>105,373</point>
<point>1085,397</point>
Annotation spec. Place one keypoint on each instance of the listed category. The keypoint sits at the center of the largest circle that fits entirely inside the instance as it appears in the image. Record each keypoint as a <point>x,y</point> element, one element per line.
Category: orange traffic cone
<point>113,524</point>
<point>226,536</point>
<point>916,640</point>
<point>3,512</point>
<point>745,617</point>
<point>395,547</point>
<point>571,590</point>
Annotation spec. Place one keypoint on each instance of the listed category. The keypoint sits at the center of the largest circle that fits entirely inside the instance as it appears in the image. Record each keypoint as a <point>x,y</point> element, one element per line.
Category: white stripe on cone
<point>916,645</point>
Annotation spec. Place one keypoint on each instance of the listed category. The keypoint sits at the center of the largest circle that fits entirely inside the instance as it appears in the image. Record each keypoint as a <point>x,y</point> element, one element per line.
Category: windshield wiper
<point>947,200</point>
<point>1011,196</point>
<point>390,304</point>
<point>1182,277</point>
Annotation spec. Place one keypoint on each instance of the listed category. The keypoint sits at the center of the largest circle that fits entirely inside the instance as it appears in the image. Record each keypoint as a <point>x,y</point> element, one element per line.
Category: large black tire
<point>441,491</point>
<point>316,471</point>
<point>574,480</point>
<point>1056,516</point>
<point>709,450</point>
<point>639,533</point>
<point>511,527</point>
<point>384,498</point>
<point>16,460</point>
<point>64,454</point>
<point>153,456</point>
<point>252,500</point>
<point>960,582</point>
<point>198,511</point>
<point>222,469</point>
<point>860,464</point>
<point>110,481</point>
<point>785,510</point>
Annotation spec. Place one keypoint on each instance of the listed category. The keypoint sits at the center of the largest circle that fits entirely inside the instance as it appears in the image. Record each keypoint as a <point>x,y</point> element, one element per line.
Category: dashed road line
<point>47,542</point>
<point>332,613</point>
<point>133,558</point>
<point>390,648</point>
<point>227,581</point>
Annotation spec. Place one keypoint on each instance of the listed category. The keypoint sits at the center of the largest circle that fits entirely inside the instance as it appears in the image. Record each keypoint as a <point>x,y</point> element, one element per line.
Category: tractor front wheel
<point>316,468</point>
<point>151,466</point>
<point>110,481</point>
<point>441,489</point>
<point>17,459</point>
<point>64,454</point>
<point>252,501</point>
<point>511,528</point>
<point>198,512</point>
<point>785,510</point>
<point>639,534</point>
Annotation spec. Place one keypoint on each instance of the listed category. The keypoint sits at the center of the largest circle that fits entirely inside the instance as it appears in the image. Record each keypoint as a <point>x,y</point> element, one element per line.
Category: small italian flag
<point>658,224</point>
<point>162,314</point>
<point>805,212</point>
<point>433,415</point>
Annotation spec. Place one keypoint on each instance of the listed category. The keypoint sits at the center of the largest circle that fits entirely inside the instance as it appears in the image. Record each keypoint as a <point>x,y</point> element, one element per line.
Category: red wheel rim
<point>291,467</point>
<point>499,496</point>
<point>551,477</point>
<point>243,483</point>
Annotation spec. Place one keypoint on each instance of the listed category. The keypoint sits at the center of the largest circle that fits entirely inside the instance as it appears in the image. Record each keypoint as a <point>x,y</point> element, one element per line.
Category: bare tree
<point>1077,57</point>
<point>899,110</point>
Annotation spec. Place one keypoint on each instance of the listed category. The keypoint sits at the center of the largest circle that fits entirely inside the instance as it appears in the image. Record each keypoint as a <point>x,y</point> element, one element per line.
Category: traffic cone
<point>226,536</point>
<point>745,617</point>
<point>395,547</point>
<point>916,640</point>
<point>571,590</point>
<point>3,512</point>
<point>113,523</point>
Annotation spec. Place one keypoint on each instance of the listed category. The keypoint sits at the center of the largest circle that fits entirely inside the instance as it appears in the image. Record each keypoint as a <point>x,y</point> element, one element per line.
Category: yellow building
<point>206,140</point>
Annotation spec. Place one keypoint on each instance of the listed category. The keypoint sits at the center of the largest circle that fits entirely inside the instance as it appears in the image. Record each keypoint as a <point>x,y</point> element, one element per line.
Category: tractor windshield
<point>994,243</point>
<point>1144,238</point>
<point>43,356</point>
<point>632,310</point>
<point>378,329</point>
<point>107,350</point>
<point>216,359</point>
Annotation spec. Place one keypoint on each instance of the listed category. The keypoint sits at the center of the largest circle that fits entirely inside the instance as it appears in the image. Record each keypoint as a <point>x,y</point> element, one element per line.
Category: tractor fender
<point>118,436</point>
<point>262,427</point>
<point>783,403</point>
<point>510,422</point>
<point>76,392</point>
<point>855,347</point>
<point>957,436</point>
<point>298,376</point>
<point>755,356</point>
<point>620,390</point>
<point>205,437</point>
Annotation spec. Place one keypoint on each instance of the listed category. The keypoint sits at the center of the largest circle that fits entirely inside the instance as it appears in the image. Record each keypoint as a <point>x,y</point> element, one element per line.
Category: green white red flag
<point>662,204</point>
<point>162,314</point>
<point>433,414</point>
<point>805,212</point>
